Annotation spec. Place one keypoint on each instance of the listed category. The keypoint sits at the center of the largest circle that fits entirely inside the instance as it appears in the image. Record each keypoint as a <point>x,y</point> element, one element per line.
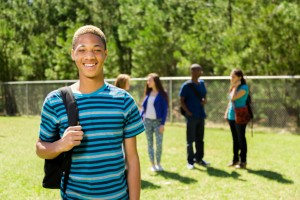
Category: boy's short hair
<point>196,66</point>
<point>89,29</point>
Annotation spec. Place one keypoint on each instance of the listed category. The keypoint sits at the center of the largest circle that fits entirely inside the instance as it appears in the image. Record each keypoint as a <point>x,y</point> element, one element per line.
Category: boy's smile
<point>89,55</point>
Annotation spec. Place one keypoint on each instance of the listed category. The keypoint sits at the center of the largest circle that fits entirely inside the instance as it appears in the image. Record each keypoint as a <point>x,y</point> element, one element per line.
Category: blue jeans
<point>151,128</point>
<point>238,132</point>
<point>195,133</point>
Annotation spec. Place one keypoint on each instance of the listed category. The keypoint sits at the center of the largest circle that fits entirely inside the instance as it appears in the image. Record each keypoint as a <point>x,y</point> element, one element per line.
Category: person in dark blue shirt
<point>193,98</point>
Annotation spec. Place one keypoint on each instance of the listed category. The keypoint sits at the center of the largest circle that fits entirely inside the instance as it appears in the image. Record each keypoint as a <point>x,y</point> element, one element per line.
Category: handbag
<point>242,115</point>
<point>55,168</point>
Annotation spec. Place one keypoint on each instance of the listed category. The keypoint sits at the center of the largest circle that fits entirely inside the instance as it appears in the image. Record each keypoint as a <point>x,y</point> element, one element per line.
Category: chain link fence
<point>276,101</point>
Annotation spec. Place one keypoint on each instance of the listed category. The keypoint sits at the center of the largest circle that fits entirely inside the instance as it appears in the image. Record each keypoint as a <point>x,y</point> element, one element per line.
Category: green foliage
<point>266,41</point>
<point>163,36</point>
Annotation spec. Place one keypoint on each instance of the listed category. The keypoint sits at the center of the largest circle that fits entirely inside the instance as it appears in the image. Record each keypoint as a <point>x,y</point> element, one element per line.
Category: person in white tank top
<point>154,113</point>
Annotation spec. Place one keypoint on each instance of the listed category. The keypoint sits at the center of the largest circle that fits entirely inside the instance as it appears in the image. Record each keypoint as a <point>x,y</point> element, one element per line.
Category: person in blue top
<point>154,112</point>
<point>238,95</point>
<point>193,98</point>
<point>108,117</point>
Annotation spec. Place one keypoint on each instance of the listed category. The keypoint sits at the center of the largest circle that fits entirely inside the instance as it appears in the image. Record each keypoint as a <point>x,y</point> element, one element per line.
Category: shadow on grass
<point>149,185</point>
<point>223,174</point>
<point>175,176</point>
<point>271,175</point>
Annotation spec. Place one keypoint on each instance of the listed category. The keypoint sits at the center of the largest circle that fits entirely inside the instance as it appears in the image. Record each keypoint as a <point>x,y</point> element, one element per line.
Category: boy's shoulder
<point>186,83</point>
<point>53,95</point>
<point>116,91</point>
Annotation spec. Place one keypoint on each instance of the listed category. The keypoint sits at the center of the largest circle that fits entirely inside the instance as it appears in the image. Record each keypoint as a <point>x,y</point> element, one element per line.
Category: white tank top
<point>150,110</point>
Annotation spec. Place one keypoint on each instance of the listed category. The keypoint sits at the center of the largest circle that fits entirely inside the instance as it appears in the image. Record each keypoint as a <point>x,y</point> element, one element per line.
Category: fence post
<point>27,100</point>
<point>170,100</point>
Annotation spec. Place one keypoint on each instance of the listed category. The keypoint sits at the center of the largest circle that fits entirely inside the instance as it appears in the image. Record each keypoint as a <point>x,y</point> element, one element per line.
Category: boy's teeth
<point>89,65</point>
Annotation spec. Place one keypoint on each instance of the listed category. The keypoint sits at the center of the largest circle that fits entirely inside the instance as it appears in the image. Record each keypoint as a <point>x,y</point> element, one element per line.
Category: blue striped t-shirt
<point>107,116</point>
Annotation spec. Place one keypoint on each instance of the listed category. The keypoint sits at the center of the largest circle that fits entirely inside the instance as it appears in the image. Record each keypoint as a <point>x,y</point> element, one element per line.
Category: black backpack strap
<point>70,104</point>
<point>197,93</point>
<point>72,112</point>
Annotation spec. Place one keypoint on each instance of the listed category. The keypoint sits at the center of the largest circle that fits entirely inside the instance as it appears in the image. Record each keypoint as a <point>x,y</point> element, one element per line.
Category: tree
<point>163,36</point>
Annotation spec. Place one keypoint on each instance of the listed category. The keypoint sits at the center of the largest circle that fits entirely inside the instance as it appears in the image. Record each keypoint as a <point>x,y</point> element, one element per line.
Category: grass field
<point>273,166</point>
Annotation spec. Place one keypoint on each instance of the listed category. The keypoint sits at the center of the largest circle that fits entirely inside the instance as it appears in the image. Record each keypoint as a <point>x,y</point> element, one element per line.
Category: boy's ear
<point>106,54</point>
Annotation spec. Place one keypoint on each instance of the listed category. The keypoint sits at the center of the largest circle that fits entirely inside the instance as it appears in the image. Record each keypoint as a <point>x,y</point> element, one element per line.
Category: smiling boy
<point>108,117</point>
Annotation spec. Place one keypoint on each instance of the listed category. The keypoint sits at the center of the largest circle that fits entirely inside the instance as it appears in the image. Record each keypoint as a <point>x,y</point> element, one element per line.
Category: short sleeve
<point>240,102</point>
<point>133,124</point>
<point>245,87</point>
<point>203,88</point>
<point>183,91</point>
<point>49,121</point>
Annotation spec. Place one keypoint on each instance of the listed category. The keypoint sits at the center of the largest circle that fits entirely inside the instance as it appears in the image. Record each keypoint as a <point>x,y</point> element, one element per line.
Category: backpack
<point>249,105</point>
<point>54,168</point>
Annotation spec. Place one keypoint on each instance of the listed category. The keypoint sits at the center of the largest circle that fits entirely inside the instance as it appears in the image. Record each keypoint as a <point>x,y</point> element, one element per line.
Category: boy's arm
<point>49,150</point>
<point>133,168</point>
<point>185,108</point>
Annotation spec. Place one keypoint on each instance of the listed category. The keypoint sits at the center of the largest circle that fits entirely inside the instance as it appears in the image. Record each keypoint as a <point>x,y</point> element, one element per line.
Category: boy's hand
<point>72,137</point>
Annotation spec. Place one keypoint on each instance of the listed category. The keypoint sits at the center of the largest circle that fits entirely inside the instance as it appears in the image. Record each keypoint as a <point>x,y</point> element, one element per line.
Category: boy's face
<point>89,55</point>
<point>196,72</point>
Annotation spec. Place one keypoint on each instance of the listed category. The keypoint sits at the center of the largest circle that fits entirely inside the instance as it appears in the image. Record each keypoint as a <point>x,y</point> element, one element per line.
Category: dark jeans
<point>238,132</point>
<point>194,133</point>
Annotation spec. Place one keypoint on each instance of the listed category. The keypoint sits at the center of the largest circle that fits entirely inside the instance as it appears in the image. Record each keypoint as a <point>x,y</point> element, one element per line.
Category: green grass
<point>273,166</point>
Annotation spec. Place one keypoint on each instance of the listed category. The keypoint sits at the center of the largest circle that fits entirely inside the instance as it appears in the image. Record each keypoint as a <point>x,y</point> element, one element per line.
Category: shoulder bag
<point>55,168</point>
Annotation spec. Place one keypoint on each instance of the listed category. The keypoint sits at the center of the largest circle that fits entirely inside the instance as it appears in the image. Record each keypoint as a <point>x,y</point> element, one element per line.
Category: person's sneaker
<point>159,168</point>
<point>153,169</point>
<point>203,163</point>
<point>242,165</point>
<point>190,166</point>
<point>233,164</point>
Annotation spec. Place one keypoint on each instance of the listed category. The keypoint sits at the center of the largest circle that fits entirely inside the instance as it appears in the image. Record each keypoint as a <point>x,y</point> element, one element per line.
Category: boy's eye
<point>81,50</point>
<point>98,50</point>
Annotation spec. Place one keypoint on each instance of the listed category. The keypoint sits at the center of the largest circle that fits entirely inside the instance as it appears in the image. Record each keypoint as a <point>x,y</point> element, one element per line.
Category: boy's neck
<point>195,79</point>
<point>87,86</point>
